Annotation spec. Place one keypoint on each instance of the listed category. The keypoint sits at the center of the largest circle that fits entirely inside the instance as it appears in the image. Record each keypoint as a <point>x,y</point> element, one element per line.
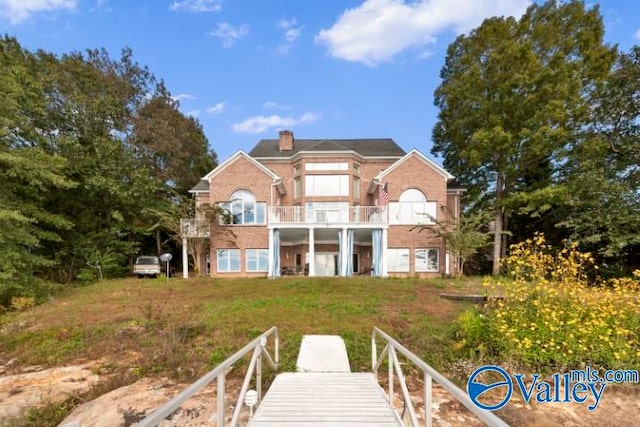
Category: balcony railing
<point>317,215</point>
<point>403,213</point>
<point>193,227</point>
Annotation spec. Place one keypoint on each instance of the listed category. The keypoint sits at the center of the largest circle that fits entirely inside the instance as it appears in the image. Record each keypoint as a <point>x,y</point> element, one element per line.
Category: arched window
<point>244,209</point>
<point>412,195</point>
<point>412,208</point>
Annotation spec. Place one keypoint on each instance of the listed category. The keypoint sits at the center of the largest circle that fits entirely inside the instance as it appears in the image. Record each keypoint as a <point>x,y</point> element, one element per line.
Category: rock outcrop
<point>27,390</point>
<point>128,405</point>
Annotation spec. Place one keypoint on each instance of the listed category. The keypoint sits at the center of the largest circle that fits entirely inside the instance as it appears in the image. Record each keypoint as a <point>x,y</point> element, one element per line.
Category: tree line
<point>95,159</point>
<point>539,120</point>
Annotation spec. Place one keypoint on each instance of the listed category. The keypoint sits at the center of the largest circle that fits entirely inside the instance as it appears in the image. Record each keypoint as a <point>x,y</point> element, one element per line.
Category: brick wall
<point>412,173</point>
<point>239,175</point>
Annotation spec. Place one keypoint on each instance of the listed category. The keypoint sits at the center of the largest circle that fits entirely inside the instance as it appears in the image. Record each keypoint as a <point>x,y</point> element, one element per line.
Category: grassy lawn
<point>185,327</point>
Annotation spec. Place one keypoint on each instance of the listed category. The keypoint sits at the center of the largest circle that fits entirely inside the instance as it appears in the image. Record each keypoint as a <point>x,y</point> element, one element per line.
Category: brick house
<point>316,207</point>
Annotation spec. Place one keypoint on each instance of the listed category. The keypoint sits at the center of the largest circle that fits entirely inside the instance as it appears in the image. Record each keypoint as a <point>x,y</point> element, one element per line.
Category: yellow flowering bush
<point>552,315</point>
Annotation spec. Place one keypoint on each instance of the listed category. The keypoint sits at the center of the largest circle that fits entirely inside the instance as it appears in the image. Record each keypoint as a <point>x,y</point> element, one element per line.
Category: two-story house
<point>327,207</point>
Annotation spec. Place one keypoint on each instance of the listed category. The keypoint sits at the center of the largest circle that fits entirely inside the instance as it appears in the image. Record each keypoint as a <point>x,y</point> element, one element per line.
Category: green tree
<point>602,170</point>
<point>174,144</point>
<point>513,94</point>
<point>463,237</point>
<point>27,173</point>
<point>89,195</point>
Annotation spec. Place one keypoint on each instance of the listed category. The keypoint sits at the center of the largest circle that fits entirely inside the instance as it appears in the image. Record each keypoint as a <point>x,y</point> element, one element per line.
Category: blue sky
<point>322,68</point>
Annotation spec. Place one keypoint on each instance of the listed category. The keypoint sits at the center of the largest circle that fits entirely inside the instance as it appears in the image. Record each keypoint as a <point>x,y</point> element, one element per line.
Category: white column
<point>384,253</point>
<point>312,253</point>
<point>185,259</point>
<point>345,252</point>
<point>271,266</point>
<point>447,264</point>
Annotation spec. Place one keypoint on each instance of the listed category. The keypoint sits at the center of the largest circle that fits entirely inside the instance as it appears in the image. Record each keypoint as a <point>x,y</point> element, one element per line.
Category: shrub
<point>553,316</point>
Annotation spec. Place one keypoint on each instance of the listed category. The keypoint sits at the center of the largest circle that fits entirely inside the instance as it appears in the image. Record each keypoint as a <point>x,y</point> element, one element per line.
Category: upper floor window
<point>326,185</point>
<point>339,166</point>
<point>243,209</point>
<point>412,208</point>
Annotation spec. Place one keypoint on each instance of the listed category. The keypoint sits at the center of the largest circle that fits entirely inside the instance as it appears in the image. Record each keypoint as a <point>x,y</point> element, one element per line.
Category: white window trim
<point>408,259</point>
<point>246,257</point>
<point>227,206</point>
<point>342,185</point>
<point>426,269</point>
<point>404,213</point>
<point>326,166</point>
<point>228,261</point>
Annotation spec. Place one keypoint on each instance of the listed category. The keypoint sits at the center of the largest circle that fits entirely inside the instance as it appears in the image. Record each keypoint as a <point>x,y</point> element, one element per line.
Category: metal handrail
<point>429,373</point>
<point>258,346</point>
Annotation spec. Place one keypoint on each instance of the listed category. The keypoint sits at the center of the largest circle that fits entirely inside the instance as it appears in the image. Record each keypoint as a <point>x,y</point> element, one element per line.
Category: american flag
<point>383,196</point>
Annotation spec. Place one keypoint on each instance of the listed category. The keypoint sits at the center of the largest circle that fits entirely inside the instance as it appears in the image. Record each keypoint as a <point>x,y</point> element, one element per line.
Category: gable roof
<point>420,156</point>
<point>239,154</point>
<point>382,147</point>
<point>201,187</point>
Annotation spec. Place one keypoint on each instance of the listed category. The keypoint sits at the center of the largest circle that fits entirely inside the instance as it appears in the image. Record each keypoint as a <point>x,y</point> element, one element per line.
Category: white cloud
<point>377,30</point>
<point>19,10</point>
<point>292,32</point>
<point>216,109</point>
<point>193,113</point>
<point>270,105</point>
<point>197,5</point>
<point>637,35</point>
<point>183,96</point>
<point>261,124</point>
<point>229,34</point>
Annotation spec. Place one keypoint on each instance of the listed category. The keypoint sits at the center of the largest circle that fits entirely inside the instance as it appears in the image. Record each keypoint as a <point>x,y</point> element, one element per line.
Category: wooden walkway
<point>324,392</point>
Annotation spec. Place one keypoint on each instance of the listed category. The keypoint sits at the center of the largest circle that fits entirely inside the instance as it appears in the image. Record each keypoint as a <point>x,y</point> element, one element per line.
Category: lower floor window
<point>427,259</point>
<point>257,259</point>
<point>228,260</point>
<point>398,259</point>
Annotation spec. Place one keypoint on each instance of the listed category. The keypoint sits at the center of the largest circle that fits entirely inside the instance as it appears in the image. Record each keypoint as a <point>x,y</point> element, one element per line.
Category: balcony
<point>320,215</point>
<point>403,213</point>
<point>193,227</point>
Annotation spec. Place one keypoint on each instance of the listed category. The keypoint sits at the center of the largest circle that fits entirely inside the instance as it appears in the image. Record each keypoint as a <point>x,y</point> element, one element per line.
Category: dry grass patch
<point>185,327</point>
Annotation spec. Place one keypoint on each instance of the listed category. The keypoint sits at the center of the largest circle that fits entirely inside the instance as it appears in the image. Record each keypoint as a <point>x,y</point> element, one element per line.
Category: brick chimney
<point>286,140</point>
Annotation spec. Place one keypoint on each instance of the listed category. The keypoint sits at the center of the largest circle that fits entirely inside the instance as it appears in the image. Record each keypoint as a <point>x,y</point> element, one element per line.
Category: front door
<point>326,264</point>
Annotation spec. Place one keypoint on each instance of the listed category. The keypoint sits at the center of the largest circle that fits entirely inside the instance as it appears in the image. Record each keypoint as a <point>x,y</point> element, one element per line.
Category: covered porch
<point>328,250</point>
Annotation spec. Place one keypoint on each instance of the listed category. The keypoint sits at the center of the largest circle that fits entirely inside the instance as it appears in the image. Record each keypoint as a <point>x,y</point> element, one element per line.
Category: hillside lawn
<point>181,329</point>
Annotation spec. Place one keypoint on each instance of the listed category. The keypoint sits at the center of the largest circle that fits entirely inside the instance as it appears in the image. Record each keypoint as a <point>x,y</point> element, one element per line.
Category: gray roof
<point>455,185</point>
<point>201,186</point>
<point>383,147</point>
